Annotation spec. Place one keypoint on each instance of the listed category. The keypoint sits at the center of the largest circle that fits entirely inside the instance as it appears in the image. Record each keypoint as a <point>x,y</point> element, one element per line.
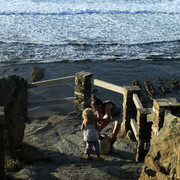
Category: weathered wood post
<point>83,86</point>
<point>129,108</point>
<point>2,163</point>
<point>144,133</point>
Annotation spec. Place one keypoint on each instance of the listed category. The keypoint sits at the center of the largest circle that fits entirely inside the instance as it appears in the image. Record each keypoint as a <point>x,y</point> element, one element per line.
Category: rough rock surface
<point>163,158</point>
<point>13,96</point>
<point>60,140</point>
<point>37,74</point>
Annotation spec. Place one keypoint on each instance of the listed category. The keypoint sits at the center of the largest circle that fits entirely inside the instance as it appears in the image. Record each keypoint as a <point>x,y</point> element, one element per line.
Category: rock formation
<point>13,96</point>
<point>150,89</point>
<point>163,158</point>
<point>174,84</point>
<point>162,87</point>
<point>36,74</point>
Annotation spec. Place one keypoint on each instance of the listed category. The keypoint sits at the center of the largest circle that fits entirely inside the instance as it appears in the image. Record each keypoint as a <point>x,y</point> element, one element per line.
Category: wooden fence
<point>48,83</point>
<point>135,116</point>
<point>83,78</point>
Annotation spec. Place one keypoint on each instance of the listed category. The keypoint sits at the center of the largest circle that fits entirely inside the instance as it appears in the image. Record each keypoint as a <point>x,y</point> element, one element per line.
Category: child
<point>90,132</point>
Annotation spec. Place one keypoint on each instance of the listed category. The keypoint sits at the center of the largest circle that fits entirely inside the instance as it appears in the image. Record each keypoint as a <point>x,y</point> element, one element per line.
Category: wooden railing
<point>142,150</point>
<point>108,86</point>
<point>120,90</point>
<point>137,101</point>
<point>51,82</point>
<point>95,82</point>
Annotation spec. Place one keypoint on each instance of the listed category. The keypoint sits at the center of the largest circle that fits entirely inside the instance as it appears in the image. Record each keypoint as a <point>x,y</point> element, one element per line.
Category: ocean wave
<point>87,12</point>
<point>66,7</point>
<point>92,44</point>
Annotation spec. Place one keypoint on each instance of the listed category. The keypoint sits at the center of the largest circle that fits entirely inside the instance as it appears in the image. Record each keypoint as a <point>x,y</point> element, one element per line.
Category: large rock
<point>163,158</point>
<point>13,96</point>
<point>37,74</point>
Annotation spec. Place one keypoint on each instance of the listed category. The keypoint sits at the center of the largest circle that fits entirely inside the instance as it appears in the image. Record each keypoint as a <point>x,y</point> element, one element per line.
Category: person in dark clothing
<point>107,111</point>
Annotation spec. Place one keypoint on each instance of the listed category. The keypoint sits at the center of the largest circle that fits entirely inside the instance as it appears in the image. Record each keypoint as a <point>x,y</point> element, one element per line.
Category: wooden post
<point>2,163</point>
<point>129,108</point>
<point>83,86</point>
<point>144,132</point>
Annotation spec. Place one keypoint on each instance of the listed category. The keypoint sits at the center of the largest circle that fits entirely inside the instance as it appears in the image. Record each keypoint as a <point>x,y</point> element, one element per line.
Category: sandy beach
<point>118,73</point>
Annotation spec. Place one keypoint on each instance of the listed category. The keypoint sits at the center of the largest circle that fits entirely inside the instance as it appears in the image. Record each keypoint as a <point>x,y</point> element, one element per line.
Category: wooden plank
<point>137,102</point>
<point>51,82</point>
<point>134,128</point>
<point>45,103</point>
<point>108,86</point>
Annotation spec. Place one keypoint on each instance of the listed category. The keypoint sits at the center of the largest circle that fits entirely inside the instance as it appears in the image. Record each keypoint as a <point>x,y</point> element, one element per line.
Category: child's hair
<point>95,100</point>
<point>89,114</point>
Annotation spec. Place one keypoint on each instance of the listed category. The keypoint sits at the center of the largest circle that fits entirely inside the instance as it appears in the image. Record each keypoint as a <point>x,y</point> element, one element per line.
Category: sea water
<point>43,31</point>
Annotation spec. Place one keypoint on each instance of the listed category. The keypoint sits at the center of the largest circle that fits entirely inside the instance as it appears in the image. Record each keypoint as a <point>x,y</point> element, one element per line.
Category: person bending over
<point>107,111</point>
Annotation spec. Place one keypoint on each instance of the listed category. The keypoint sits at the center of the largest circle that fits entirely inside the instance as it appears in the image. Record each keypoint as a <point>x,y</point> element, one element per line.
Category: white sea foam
<point>73,30</point>
<point>87,6</point>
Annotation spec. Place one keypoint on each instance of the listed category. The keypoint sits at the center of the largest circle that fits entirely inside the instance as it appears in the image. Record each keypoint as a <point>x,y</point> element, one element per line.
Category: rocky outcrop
<point>13,96</point>
<point>174,83</point>
<point>150,89</point>
<point>37,74</point>
<point>163,158</point>
<point>162,87</point>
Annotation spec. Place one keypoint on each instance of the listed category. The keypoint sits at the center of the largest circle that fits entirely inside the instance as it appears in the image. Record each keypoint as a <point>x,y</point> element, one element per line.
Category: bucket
<point>105,143</point>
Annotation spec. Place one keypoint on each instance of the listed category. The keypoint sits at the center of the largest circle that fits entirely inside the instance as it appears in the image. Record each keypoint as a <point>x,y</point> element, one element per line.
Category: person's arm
<point>83,125</point>
<point>107,116</point>
<point>99,116</point>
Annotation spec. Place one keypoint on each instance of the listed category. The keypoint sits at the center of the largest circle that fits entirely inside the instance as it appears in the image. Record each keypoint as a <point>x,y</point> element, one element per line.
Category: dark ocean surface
<point>43,31</point>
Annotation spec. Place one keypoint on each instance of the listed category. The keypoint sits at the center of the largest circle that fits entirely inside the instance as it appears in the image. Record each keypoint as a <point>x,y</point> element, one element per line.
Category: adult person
<point>107,111</point>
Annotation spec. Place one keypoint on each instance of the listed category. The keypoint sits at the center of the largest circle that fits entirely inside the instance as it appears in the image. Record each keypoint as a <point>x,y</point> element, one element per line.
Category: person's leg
<point>116,129</point>
<point>96,146</point>
<point>117,125</point>
<point>97,149</point>
<point>89,149</point>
